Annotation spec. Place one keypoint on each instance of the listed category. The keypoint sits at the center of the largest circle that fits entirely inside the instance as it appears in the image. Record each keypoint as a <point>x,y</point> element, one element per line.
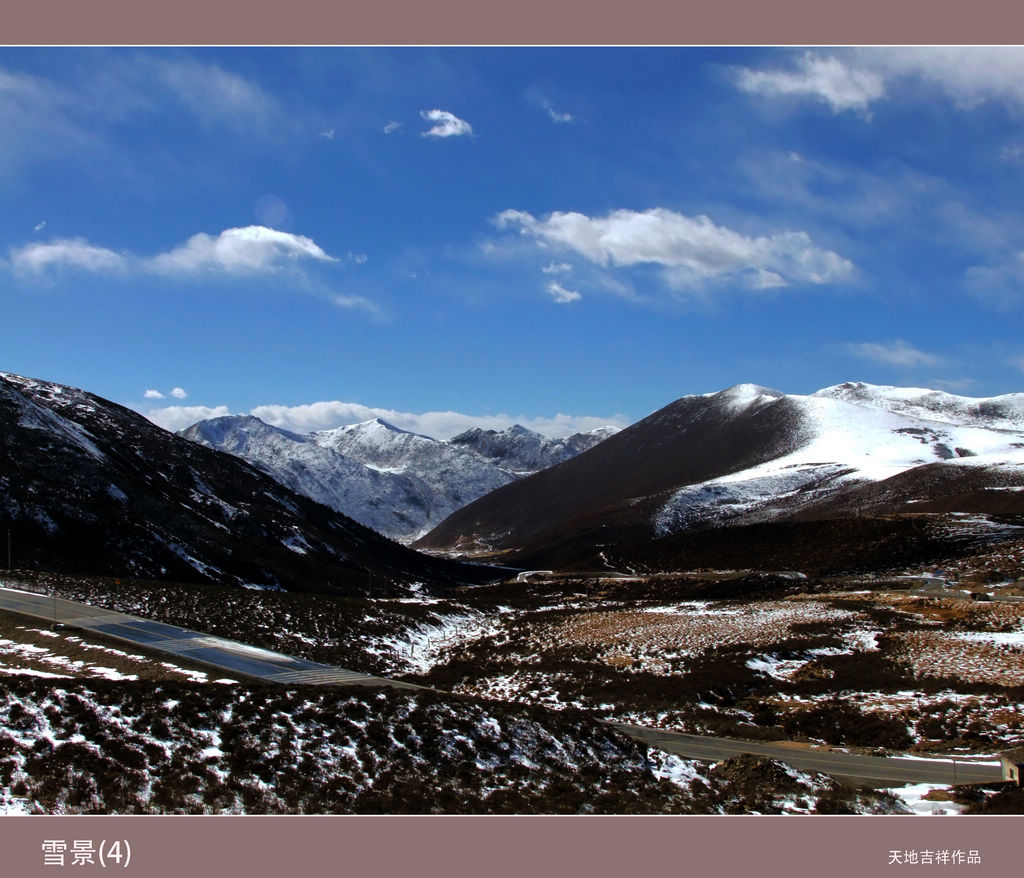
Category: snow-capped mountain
<point>751,454</point>
<point>399,483</point>
<point>91,487</point>
<point>857,435</point>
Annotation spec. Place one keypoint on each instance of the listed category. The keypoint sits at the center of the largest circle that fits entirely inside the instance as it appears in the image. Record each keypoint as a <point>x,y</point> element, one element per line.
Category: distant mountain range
<point>91,487</point>
<point>399,483</point>
<point>750,454</point>
<point>88,486</point>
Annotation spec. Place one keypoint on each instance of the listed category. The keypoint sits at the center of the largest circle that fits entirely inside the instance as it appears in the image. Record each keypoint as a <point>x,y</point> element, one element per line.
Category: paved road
<point>870,770</point>
<point>250,661</point>
<point>217,652</point>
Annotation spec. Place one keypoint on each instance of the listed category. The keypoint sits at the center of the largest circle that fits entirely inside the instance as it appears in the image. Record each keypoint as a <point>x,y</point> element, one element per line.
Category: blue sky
<point>456,236</point>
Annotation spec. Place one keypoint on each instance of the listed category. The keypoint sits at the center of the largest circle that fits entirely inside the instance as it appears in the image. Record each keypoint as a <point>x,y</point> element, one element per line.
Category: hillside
<point>89,486</point>
<point>748,455</point>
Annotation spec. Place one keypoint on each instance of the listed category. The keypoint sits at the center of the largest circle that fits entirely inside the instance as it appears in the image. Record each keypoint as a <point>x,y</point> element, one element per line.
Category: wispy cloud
<point>893,353</point>
<point>439,425</point>
<point>446,124</point>
<point>561,295</point>
<point>392,126</point>
<point>553,114</point>
<point>328,134</point>
<point>692,250</point>
<point>39,226</point>
<point>1000,283</point>
<point>357,303</point>
<point>825,78</point>
<point>556,267</point>
<point>213,94</point>
<point>854,79</point>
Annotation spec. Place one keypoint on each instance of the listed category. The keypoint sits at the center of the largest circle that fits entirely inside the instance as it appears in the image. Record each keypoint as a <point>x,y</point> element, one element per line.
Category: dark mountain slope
<point>89,486</point>
<point>610,492</point>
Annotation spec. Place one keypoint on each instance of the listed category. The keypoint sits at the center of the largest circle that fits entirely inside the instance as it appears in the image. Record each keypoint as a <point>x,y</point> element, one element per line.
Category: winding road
<point>254,662</point>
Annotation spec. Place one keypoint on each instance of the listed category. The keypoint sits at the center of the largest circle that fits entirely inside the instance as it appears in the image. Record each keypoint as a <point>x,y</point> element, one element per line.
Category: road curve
<point>869,770</point>
<point>216,652</point>
<point>249,661</point>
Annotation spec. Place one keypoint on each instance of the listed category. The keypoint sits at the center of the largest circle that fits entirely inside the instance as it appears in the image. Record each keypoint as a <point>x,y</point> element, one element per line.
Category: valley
<point>841,570</point>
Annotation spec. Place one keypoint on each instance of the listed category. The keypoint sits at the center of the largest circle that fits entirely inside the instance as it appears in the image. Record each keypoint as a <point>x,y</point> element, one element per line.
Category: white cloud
<point>893,353</point>
<point>72,253</point>
<point>392,126</point>
<point>693,250</point>
<point>828,79</point>
<point>249,250</point>
<point>356,303</point>
<point>968,74</point>
<point>358,258</point>
<point>853,79</point>
<point>154,394</point>
<point>178,393</point>
<point>328,134</point>
<point>213,94</point>
<point>561,295</point>
<point>440,425</point>
<point>39,226</point>
<point>553,114</point>
<point>178,417</point>
<point>447,124</point>
<point>556,267</point>
<point>1000,283</point>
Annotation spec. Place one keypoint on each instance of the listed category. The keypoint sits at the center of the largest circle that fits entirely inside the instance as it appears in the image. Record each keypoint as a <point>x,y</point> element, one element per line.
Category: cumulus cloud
<point>561,295</point>
<point>178,417</point>
<point>893,353</point>
<point>446,124</point>
<point>248,250</point>
<point>827,79</point>
<point>440,425</point>
<point>693,250</point>
<point>154,394</point>
<point>178,393</point>
<point>66,253</point>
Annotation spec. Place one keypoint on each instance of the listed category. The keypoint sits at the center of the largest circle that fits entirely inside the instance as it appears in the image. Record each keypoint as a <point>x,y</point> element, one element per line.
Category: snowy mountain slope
<point>750,454</point>
<point>89,486</point>
<point>399,483</point>
<point>856,435</point>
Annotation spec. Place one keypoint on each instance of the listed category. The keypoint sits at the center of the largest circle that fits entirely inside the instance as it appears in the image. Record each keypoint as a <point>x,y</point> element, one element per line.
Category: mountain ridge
<point>749,453</point>
<point>398,482</point>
